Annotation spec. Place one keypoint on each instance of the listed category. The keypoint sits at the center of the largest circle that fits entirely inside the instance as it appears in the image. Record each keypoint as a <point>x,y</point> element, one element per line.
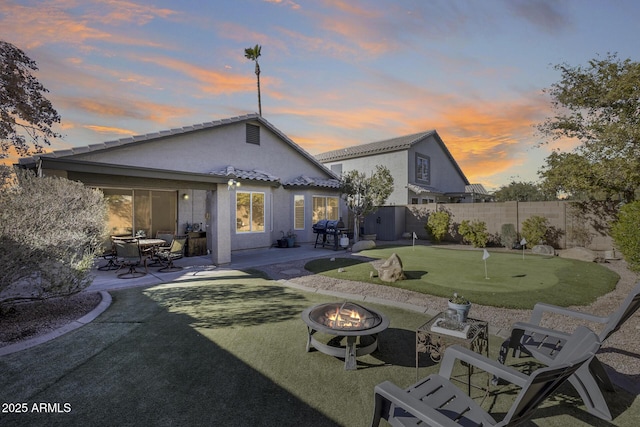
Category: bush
<point>438,224</point>
<point>474,232</point>
<point>626,233</point>
<point>534,229</point>
<point>508,236</point>
<point>50,230</point>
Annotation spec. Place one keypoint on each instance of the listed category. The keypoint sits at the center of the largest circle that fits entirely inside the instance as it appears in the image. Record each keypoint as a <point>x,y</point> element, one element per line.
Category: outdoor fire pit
<point>344,319</point>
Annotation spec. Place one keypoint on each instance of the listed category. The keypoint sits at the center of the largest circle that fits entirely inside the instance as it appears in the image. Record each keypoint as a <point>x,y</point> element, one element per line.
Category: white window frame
<point>264,212</point>
<point>304,210</point>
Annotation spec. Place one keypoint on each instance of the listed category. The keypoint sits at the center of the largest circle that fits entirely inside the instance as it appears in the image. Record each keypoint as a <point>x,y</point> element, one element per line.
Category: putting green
<point>509,280</point>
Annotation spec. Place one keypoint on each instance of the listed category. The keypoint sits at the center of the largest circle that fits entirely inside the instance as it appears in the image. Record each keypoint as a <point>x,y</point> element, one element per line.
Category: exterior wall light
<point>185,197</point>
<point>232,184</point>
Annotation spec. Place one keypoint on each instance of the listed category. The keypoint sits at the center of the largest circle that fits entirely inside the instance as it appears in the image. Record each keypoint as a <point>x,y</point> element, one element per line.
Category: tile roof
<point>419,189</point>
<point>255,175</point>
<point>305,181</point>
<point>386,146</point>
<point>150,136</point>
<point>475,188</point>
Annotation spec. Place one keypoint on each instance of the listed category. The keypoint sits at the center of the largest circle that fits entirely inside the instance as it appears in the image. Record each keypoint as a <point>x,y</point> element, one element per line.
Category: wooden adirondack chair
<point>435,401</point>
<point>544,344</point>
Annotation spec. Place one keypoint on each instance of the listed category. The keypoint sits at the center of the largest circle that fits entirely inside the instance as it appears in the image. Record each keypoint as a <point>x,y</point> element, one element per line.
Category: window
<point>337,169</point>
<point>249,212</point>
<point>298,212</point>
<point>253,134</point>
<point>133,211</point>
<point>423,169</point>
<point>325,208</point>
<point>414,200</point>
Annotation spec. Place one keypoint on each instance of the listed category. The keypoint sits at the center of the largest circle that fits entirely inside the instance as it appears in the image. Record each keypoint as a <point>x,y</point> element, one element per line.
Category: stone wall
<point>575,230</point>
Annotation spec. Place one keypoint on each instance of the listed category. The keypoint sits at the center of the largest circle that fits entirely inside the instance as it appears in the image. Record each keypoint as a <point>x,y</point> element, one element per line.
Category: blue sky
<point>334,73</point>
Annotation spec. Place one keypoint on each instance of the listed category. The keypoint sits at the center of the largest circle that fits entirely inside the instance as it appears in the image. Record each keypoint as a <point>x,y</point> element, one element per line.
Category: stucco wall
<point>558,213</point>
<point>212,149</point>
<point>397,164</point>
<point>444,176</point>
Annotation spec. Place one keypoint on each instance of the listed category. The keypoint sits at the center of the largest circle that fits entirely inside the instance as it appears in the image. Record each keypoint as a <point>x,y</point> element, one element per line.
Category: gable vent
<point>253,134</point>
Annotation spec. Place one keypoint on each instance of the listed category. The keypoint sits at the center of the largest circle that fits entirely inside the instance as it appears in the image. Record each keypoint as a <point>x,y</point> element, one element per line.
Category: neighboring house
<point>240,179</point>
<point>423,169</point>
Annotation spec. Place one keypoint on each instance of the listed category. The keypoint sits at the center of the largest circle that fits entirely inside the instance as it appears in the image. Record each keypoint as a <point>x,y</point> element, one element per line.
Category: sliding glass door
<point>141,211</point>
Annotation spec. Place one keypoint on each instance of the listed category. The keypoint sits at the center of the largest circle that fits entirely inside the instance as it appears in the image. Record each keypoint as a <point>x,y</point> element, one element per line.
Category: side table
<point>435,343</point>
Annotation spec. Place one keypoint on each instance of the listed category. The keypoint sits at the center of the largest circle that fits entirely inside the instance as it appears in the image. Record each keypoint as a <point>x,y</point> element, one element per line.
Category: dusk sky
<point>335,73</point>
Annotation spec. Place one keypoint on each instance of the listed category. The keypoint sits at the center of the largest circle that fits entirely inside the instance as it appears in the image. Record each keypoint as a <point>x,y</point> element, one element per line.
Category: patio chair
<point>110,255</point>
<point>129,256</point>
<point>543,344</point>
<point>175,251</point>
<point>436,401</point>
<point>167,236</point>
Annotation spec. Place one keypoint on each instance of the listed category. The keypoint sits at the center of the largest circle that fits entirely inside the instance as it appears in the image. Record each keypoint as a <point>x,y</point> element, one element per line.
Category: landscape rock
<point>362,245</point>
<point>391,269</point>
<point>543,250</point>
<point>579,253</point>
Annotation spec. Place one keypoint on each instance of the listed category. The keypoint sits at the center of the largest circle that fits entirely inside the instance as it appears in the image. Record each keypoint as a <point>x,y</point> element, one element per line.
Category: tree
<point>253,53</point>
<point>521,192</point>
<point>364,194</point>
<point>23,107</point>
<point>626,234</point>
<point>50,231</point>
<point>599,106</point>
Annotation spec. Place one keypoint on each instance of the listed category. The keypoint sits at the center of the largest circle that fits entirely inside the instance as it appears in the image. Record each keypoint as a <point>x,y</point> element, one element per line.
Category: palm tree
<point>253,53</point>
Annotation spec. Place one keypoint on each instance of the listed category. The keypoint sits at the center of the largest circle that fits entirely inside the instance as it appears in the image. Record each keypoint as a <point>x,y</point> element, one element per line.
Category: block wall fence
<point>560,214</point>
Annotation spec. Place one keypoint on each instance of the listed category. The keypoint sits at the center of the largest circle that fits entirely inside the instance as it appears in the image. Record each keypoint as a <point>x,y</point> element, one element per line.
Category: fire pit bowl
<point>344,319</point>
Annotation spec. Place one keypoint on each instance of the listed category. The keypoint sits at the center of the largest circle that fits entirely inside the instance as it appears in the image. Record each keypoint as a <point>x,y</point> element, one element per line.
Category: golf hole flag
<point>485,255</point>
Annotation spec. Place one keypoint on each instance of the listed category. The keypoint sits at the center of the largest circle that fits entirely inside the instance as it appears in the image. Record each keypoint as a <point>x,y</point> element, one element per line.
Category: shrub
<point>474,232</point>
<point>508,236</point>
<point>534,229</point>
<point>438,224</point>
<point>50,230</point>
<point>626,233</point>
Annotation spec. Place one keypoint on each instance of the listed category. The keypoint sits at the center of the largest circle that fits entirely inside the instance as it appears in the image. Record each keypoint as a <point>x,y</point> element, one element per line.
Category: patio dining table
<point>149,247</point>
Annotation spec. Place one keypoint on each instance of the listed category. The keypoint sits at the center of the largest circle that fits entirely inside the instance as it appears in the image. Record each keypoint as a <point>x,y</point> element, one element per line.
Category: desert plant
<point>508,235</point>
<point>474,232</point>
<point>50,230</point>
<point>626,234</point>
<point>438,224</point>
<point>534,229</point>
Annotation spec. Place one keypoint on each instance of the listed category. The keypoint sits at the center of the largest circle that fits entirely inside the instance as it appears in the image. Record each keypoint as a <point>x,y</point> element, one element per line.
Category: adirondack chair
<point>175,251</point>
<point>128,255</point>
<point>544,344</point>
<point>436,401</point>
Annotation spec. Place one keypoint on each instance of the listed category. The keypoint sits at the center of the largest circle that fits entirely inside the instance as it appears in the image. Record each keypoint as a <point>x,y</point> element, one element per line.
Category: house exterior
<point>423,169</point>
<point>239,180</point>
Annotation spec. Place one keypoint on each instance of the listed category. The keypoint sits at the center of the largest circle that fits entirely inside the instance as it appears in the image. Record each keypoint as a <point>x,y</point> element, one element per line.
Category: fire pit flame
<point>347,316</point>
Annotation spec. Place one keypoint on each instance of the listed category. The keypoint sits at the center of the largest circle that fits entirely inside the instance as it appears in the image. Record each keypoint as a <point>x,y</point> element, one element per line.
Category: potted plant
<point>291,239</point>
<point>461,305</point>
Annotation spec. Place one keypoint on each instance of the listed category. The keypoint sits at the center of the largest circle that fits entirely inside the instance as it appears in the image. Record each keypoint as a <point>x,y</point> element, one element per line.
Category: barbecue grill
<point>328,227</point>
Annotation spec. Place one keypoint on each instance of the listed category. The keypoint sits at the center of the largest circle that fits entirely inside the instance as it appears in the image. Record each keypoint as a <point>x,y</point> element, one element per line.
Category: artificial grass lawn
<point>513,282</point>
<point>228,350</point>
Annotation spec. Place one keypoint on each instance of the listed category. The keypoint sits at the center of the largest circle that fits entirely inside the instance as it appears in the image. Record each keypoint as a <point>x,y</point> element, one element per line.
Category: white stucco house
<point>239,180</point>
<point>423,169</point>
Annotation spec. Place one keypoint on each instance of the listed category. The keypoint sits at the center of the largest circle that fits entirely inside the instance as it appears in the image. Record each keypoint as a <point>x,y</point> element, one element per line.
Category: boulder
<point>362,245</point>
<point>543,250</point>
<point>391,269</point>
<point>579,253</point>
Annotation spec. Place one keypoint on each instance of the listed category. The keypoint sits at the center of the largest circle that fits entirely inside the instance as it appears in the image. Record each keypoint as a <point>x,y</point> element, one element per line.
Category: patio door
<point>147,211</point>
